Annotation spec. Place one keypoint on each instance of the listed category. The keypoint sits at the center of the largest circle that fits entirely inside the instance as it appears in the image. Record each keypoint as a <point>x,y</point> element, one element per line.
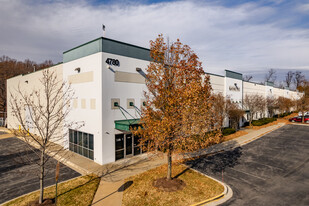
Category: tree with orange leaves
<point>179,113</point>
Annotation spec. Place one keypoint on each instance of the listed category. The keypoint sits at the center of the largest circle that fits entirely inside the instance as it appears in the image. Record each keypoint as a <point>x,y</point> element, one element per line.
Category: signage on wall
<point>111,61</point>
<point>234,88</point>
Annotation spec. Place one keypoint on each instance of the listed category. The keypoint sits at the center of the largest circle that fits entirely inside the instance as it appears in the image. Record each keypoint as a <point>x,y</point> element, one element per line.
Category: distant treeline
<point>11,67</point>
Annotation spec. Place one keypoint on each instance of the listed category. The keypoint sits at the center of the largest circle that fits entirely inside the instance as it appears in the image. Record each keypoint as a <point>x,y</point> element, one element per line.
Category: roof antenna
<point>103,27</point>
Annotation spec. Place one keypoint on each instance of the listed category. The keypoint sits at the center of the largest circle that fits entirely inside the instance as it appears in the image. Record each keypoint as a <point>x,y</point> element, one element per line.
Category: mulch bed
<point>171,185</point>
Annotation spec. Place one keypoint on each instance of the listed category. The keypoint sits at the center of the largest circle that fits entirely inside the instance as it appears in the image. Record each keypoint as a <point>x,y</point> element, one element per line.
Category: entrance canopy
<point>126,124</point>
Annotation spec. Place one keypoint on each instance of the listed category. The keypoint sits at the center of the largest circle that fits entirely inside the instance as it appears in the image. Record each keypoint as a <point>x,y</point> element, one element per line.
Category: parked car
<point>299,119</point>
<point>305,113</point>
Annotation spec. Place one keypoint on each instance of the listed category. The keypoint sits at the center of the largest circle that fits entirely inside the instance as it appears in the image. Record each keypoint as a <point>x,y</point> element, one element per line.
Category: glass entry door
<point>119,146</point>
<point>128,144</point>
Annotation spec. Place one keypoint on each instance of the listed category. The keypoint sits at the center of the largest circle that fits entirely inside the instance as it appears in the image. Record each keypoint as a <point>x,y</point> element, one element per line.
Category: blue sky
<point>246,36</point>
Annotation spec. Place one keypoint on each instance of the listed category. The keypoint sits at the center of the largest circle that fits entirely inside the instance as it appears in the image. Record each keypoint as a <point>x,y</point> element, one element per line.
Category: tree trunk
<point>169,165</point>
<point>41,178</point>
<point>303,117</point>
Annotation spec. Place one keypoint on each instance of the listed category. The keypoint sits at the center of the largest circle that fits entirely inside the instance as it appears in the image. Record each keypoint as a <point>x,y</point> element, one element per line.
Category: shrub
<point>263,121</point>
<point>282,115</point>
<point>227,131</point>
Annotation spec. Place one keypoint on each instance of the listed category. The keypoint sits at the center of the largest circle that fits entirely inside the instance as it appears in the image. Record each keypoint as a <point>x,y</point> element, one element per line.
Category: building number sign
<point>114,62</point>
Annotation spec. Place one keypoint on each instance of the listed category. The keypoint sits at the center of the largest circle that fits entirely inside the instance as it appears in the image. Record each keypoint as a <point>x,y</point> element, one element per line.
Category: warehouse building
<point>108,79</point>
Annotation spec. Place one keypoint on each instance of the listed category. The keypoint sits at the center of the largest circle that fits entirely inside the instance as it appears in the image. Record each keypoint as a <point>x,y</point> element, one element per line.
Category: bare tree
<point>261,105</point>
<point>251,103</point>
<point>299,79</point>
<point>284,104</point>
<point>271,76</point>
<point>271,105</point>
<point>288,78</point>
<point>41,114</point>
<point>280,85</point>
<point>220,107</point>
<point>303,106</point>
<point>303,102</point>
<point>247,78</point>
<point>234,112</point>
<point>11,67</point>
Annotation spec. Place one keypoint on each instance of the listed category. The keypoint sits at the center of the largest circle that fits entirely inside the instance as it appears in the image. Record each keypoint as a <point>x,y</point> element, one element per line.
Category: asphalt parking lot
<point>18,176</point>
<point>273,170</point>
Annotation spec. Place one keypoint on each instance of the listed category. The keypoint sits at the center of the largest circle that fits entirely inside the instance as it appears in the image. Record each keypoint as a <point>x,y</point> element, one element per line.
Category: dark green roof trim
<point>82,45</point>
<point>87,49</point>
<point>232,74</point>
<point>269,84</point>
<point>119,42</point>
<point>124,49</point>
<point>103,44</point>
<point>126,124</point>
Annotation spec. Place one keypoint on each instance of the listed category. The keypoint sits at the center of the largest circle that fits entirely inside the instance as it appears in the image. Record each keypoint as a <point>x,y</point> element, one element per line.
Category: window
<point>81,143</point>
<point>119,146</point>
<point>127,145</point>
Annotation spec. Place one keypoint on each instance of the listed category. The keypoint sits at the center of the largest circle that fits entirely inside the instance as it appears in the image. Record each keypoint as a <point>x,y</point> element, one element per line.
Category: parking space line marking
<point>248,174</point>
<point>267,165</point>
<point>243,180</point>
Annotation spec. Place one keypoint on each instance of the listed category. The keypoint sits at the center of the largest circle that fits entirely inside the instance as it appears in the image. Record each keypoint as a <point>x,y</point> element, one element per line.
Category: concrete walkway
<point>113,175</point>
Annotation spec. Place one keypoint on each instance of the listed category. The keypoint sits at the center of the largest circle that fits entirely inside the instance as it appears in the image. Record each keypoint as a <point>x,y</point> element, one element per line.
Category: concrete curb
<point>221,198</point>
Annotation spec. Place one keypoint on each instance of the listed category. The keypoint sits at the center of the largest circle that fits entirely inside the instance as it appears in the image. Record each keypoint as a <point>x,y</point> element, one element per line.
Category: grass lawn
<point>241,132</point>
<point>279,120</point>
<point>78,191</point>
<point>198,188</point>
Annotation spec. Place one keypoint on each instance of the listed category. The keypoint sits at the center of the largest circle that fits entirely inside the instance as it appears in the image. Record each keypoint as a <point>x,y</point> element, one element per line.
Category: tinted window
<point>119,141</point>
<point>91,141</point>
<point>85,140</point>
<point>80,138</point>
<point>81,143</point>
<point>75,137</point>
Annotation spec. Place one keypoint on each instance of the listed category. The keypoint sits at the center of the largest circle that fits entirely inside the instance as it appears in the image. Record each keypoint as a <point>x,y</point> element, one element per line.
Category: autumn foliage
<point>178,115</point>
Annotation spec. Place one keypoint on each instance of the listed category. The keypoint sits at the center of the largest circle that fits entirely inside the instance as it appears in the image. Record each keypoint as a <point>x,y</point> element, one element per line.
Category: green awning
<point>126,124</point>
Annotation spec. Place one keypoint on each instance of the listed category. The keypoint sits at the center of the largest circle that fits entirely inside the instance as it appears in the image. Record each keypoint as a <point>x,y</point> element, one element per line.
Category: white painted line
<point>248,174</point>
<point>267,165</point>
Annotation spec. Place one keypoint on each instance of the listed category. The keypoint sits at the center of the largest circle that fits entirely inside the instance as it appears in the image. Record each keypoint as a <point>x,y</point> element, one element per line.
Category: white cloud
<point>303,8</point>
<point>242,37</point>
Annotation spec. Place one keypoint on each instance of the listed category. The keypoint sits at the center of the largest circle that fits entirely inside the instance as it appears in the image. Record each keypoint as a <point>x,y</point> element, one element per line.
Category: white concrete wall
<point>251,88</point>
<point>27,84</point>
<point>217,83</point>
<point>86,90</point>
<point>123,91</point>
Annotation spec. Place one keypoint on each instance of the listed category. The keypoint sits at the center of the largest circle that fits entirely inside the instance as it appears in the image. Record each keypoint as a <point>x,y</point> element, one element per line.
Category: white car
<point>301,114</point>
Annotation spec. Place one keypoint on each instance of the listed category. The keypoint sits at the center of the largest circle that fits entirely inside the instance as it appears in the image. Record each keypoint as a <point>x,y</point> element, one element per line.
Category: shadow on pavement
<point>218,162</point>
